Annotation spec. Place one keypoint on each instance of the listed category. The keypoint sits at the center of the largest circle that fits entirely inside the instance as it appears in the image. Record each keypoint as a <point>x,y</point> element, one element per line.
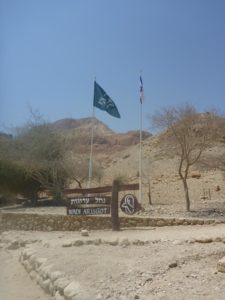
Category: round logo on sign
<point>129,204</point>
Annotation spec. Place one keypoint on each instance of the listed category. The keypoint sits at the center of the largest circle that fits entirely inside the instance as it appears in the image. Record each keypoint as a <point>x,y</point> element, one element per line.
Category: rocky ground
<point>148,263</point>
<point>177,262</point>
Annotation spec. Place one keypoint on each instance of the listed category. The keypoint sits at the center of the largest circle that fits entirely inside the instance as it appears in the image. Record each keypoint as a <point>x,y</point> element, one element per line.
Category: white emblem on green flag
<point>104,102</point>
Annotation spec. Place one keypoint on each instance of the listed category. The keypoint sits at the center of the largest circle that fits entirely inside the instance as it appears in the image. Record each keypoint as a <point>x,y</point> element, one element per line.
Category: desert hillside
<point>118,156</point>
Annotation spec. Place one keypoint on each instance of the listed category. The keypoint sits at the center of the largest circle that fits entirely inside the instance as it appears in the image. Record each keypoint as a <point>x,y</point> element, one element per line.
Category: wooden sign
<point>106,200</point>
<point>103,204</point>
<point>86,206</point>
<point>88,211</point>
<point>129,204</point>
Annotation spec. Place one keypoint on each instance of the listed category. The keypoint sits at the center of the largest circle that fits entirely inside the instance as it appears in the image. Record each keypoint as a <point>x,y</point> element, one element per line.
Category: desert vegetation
<point>51,156</point>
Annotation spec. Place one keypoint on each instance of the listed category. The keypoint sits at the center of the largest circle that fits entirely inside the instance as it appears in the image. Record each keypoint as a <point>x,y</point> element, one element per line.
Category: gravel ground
<point>149,263</point>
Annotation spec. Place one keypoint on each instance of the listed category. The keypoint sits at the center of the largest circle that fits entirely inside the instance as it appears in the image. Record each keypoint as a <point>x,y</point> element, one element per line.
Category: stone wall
<point>22,221</point>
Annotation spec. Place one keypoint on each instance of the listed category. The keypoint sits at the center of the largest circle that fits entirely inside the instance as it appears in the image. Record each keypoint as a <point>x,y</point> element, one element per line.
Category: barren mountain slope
<point>118,154</point>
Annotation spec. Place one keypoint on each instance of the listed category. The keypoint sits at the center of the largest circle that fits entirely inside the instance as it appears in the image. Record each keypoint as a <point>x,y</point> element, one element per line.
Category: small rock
<point>217,239</point>
<point>40,261</point>
<point>78,243</point>
<point>60,284</point>
<point>45,285</point>
<point>221,265</point>
<point>196,175</point>
<point>217,189</point>
<point>58,296</point>
<point>55,275</point>
<point>33,275</point>
<point>97,242</point>
<point>124,243</point>
<point>14,245</point>
<point>204,240</point>
<point>113,243</point>
<point>67,244</point>
<point>71,289</point>
<point>191,241</point>
<point>74,291</point>
<point>84,232</point>
<point>138,243</point>
<point>173,265</point>
<point>136,297</point>
<point>148,280</point>
<point>177,242</point>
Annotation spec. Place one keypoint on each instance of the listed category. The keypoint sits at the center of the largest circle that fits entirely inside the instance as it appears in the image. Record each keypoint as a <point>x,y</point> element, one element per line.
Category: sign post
<point>114,206</point>
<point>102,205</point>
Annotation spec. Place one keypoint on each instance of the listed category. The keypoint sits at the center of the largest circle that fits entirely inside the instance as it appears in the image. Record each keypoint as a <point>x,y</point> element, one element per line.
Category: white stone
<point>55,275</point>
<point>78,243</point>
<point>44,271</point>
<point>124,242</point>
<point>27,253</point>
<point>72,290</point>
<point>39,280</point>
<point>221,265</point>
<point>67,244</point>
<point>33,275</point>
<point>177,242</point>
<point>27,266</point>
<point>32,260</point>
<point>45,285</point>
<point>84,232</point>
<point>58,296</point>
<point>60,284</point>
<point>40,261</point>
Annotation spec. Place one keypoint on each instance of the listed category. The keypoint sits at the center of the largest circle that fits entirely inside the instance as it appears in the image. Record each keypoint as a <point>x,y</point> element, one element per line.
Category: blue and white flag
<point>141,90</point>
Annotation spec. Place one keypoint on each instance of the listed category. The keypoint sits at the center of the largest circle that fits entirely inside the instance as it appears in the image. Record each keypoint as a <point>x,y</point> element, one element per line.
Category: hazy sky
<point>51,51</point>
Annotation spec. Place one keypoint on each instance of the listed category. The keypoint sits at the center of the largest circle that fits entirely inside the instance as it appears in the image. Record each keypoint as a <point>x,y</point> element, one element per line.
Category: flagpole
<point>140,157</point>
<point>91,151</point>
<point>140,144</point>
<point>90,171</point>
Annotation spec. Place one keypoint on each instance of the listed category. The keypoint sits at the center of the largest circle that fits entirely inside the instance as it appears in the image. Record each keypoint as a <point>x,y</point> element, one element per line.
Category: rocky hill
<point>118,156</point>
<point>77,133</point>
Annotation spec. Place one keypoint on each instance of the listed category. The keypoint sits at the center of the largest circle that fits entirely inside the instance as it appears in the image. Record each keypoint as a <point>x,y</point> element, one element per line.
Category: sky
<point>51,51</point>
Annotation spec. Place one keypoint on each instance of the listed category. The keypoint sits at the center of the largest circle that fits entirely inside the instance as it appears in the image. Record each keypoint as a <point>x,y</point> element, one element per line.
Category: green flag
<point>104,102</point>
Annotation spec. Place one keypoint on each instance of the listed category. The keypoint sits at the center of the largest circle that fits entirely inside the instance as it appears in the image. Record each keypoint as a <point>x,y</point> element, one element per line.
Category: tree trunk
<point>57,196</point>
<point>184,180</point>
<point>149,194</point>
<point>34,199</point>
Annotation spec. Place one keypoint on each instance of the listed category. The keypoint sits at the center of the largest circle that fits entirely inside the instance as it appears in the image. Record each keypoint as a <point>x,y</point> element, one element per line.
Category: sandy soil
<point>15,283</point>
<point>147,263</point>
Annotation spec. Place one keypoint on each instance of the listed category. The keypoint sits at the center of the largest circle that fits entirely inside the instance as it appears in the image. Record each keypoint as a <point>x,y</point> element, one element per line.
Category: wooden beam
<point>129,187</point>
<point>102,189</point>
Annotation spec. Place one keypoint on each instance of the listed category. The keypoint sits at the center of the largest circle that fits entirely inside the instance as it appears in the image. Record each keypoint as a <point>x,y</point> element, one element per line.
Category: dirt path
<point>15,284</point>
<point>149,263</point>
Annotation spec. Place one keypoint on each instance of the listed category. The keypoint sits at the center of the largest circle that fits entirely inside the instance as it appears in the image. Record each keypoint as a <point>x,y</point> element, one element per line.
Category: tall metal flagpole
<point>140,148</point>
<point>90,171</point>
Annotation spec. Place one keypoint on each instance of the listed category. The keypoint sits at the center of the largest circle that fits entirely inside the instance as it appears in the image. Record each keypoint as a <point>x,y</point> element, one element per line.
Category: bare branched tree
<point>190,133</point>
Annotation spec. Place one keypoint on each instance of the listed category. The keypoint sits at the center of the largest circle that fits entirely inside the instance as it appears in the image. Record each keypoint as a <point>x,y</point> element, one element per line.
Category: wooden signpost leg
<point>114,206</point>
